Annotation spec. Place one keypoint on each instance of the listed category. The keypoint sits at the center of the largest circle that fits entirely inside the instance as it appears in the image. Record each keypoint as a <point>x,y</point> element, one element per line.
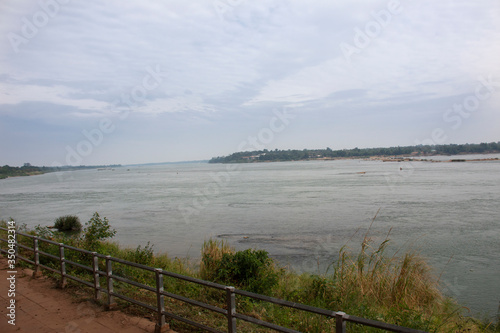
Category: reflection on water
<point>301,212</point>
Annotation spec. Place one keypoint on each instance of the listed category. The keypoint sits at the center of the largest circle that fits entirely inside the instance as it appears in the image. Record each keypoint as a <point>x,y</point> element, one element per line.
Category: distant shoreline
<point>30,170</point>
<point>412,159</point>
<point>385,158</point>
<point>419,152</point>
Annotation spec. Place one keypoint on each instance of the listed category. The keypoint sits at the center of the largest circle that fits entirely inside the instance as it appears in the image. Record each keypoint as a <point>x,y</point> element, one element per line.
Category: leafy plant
<point>249,269</point>
<point>252,270</point>
<point>43,232</point>
<point>144,256</point>
<point>97,230</point>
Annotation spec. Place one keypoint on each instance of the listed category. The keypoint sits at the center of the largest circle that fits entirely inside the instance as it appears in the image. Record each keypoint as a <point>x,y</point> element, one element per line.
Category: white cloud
<point>175,104</point>
<point>57,94</point>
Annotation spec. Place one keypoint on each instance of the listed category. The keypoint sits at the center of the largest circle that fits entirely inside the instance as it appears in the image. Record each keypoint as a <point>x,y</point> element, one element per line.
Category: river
<point>302,213</point>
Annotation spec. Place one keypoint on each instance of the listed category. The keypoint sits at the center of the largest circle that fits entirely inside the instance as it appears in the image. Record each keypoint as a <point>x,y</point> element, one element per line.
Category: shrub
<point>249,269</point>
<point>68,223</point>
<point>144,256</point>
<point>252,270</point>
<point>96,230</point>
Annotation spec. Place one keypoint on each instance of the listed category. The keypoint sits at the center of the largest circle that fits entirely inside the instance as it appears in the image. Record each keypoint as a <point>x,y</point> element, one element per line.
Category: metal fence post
<point>95,268</point>
<point>231,310</point>
<point>109,272</point>
<point>339,322</point>
<point>37,271</point>
<point>63,265</point>
<point>160,301</point>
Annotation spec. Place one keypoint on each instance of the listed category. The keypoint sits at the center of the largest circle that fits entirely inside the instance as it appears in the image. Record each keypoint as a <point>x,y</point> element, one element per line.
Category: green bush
<point>252,270</point>
<point>68,223</point>
<point>97,230</point>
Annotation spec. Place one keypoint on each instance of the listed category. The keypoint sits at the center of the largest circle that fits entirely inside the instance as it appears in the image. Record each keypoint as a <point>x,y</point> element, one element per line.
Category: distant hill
<point>314,154</point>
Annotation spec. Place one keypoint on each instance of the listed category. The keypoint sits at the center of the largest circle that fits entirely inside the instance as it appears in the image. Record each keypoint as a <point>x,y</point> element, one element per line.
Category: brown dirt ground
<point>42,307</point>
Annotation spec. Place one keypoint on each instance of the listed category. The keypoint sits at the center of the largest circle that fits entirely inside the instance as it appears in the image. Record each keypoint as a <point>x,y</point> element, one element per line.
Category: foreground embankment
<point>400,289</point>
<point>42,308</point>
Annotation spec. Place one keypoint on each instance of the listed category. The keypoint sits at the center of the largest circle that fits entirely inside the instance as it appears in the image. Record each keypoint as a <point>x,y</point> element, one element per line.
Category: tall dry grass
<point>404,282</point>
<point>212,252</point>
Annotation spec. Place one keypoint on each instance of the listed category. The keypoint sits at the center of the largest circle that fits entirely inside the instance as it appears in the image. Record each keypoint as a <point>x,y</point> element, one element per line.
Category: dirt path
<point>41,307</point>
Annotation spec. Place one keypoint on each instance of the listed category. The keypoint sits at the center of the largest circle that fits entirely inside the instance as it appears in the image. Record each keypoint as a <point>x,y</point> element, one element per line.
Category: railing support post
<point>160,301</point>
<point>231,310</point>
<point>63,265</point>
<point>109,273</point>
<point>36,255</point>
<point>95,268</point>
<point>339,322</point>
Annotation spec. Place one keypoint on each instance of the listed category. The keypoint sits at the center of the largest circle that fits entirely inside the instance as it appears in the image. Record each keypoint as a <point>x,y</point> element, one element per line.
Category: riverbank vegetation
<point>312,154</point>
<point>29,170</point>
<point>399,289</point>
<point>25,170</point>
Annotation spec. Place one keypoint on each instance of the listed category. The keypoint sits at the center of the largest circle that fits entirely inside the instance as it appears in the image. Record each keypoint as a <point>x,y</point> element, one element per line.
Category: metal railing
<point>230,292</point>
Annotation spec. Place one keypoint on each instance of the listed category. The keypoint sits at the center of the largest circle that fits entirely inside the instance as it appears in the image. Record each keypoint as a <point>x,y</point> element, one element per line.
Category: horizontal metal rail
<point>49,269</point>
<point>88,284</point>
<point>380,325</point>
<point>133,301</point>
<point>78,250</point>
<point>24,247</point>
<point>25,259</point>
<point>135,284</point>
<point>133,264</point>
<point>289,304</point>
<point>192,323</point>
<point>265,323</point>
<point>197,303</point>
<point>230,311</point>
<point>49,255</point>
<point>87,268</point>
<point>194,280</point>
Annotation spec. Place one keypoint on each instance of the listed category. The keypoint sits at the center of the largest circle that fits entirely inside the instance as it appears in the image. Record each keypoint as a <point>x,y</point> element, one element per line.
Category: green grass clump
<point>212,252</point>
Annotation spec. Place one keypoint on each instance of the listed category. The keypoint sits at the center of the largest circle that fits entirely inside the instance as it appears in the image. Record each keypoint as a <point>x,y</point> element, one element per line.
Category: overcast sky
<point>102,82</point>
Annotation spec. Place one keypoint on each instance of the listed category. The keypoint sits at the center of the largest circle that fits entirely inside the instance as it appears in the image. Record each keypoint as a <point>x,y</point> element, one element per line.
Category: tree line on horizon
<point>28,170</point>
<point>309,154</point>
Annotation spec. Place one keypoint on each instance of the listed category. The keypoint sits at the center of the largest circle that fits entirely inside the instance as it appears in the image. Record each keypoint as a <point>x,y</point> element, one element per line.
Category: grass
<point>212,252</point>
<point>399,289</point>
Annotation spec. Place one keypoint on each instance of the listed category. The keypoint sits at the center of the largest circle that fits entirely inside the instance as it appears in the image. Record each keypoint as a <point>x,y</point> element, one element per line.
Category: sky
<point>125,82</point>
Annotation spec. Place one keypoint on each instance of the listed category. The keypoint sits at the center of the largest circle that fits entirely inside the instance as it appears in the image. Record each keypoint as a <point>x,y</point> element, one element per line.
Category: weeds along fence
<point>104,273</point>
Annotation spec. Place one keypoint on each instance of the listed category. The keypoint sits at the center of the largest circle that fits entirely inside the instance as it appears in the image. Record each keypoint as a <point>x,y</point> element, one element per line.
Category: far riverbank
<point>419,152</point>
